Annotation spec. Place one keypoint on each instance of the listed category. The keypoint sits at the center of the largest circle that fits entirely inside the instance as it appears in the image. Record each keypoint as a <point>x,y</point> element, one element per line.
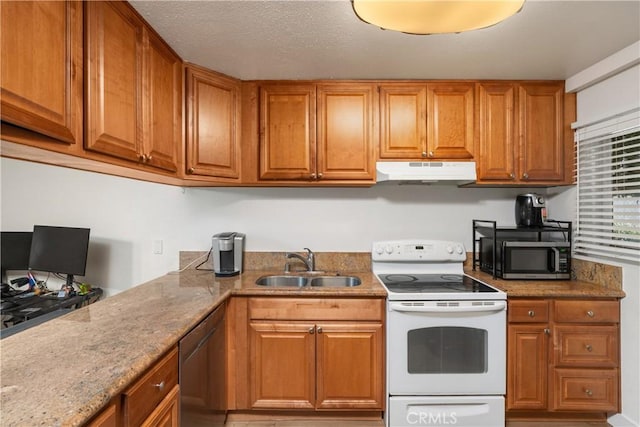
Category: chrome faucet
<point>309,261</point>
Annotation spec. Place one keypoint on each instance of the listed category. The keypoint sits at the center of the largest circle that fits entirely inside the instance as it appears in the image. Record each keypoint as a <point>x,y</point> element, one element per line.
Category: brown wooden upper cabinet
<point>321,132</point>
<point>427,121</point>
<point>213,124</point>
<point>134,89</point>
<point>522,137</point>
<point>41,56</point>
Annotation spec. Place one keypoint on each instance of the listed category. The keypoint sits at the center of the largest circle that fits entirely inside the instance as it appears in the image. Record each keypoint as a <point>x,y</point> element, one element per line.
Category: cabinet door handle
<point>588,347</point>
<point>142,157</point>
<point>525,176</point>
<point>532,313</point>
<point>424,154</point>
<point>430,153</point>
<point>149,157</point>
<point>312,330</point>
<point>547,331</point>
<point>313,176</point>
<point>512,175</point>
<point>191,170</point>
<point>320,175</point>
<point>588,392</point>
<point>160,385</point>
<point>319,329</point>
<point>590,313</point>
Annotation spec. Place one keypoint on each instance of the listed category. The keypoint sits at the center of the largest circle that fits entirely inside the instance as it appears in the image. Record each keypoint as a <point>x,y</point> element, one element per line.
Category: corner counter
<point>64,371</point>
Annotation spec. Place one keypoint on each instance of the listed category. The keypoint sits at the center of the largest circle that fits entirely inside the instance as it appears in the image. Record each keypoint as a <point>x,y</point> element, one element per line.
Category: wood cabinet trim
<point>65,124</point>
<point>222,158</point>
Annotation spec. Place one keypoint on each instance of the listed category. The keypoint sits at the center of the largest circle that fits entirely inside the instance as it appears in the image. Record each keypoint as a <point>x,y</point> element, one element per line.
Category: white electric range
<point>446,337</point>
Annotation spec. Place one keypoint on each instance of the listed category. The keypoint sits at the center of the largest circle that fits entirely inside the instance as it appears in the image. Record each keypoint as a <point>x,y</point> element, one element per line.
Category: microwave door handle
<point>554,263</point>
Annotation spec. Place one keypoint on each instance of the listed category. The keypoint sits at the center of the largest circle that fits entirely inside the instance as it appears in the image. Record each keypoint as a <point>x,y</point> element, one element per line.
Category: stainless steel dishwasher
<point>203,373</point>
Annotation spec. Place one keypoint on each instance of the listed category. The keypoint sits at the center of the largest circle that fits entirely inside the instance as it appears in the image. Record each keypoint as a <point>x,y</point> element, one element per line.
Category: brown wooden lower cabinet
<point>316,354</point>
<point>563,358</point>
<point>151,401</point>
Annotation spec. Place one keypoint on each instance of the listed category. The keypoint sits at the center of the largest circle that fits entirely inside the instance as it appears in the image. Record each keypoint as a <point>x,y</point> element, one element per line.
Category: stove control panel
<point>418,250</point>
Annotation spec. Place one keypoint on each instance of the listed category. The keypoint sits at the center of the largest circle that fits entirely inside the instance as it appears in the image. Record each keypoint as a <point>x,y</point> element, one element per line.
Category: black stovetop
<point>433,283</point>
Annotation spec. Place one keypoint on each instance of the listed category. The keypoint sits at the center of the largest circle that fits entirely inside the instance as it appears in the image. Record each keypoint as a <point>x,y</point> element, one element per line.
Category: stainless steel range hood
<point>456,173</point>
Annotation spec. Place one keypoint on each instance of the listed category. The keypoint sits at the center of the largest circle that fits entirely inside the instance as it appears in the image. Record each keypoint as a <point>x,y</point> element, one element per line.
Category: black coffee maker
<point>530,210</point>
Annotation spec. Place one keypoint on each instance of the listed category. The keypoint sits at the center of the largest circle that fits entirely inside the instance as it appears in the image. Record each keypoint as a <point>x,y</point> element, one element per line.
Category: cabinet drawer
<point>316,309</point>
<point>586,390</point>
<point>587,311</point>
<point>142,398</point>
<point>593,346</point>
<point>529,311</point>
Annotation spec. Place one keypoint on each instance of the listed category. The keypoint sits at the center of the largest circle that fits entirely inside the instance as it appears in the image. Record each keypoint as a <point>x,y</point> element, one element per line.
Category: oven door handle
<point>416,308</point>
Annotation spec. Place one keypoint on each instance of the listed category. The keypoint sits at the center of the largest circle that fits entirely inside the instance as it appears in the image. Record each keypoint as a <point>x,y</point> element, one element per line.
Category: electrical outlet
<point>157,247</point>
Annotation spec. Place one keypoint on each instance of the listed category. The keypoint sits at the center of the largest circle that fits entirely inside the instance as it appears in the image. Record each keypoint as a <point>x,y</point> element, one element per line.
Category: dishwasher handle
<point>465,308</point>
<point>202,342</point>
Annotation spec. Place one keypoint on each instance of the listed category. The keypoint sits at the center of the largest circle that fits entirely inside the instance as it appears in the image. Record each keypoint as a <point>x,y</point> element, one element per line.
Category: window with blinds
<point>608,196</point>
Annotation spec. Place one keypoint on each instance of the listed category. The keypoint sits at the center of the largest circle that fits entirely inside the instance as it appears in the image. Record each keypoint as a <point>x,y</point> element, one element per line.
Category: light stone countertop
<point>64,371</point>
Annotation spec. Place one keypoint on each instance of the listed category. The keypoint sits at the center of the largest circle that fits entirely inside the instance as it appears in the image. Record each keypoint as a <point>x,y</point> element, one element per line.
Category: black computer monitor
<point>60,250</point>
<point>15,247</point>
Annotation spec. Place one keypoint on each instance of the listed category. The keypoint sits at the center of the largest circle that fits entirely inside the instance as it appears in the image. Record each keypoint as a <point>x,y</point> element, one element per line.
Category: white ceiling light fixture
<point>435,16</point>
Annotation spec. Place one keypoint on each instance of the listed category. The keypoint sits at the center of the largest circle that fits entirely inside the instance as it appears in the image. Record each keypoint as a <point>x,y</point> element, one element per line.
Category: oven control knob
<point>389,249</point>
<point>379,250</point>
<point>459,250</point>
<point>449,249</point>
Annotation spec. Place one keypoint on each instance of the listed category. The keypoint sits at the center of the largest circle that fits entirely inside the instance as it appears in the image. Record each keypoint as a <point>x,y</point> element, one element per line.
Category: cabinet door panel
<point>283,369</point>
<point>586,390</point>
<point>541,132</point>
<point>450,120</point>
<point>212,127</point>
<point>527,371</point>
<point>167,412</point>
<point>350,366</point>
<point>587,346</point>
<point>41,63</point>
<point>403,121</point>
<point>345,132</point>
<point>114,73</point>
<point>163,143</point>
<point>496,147</point>
<point>287,132</point>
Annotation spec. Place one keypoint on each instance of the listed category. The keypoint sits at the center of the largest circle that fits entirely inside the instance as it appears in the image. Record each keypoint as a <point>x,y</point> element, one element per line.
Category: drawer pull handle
<point>160,385</point>
<point>319,329</point>
<point>311,330</point>
<point>588,347</point>
<point>590,313</point>
<point>588,392</point>
<point>532,313</point>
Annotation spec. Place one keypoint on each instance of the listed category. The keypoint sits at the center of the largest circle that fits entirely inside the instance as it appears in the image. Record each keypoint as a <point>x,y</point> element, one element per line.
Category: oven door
<point>447,347</point>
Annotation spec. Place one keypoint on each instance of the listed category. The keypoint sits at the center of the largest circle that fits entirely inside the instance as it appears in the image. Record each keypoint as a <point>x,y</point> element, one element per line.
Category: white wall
<point>127,216</point>
<point>616,94</point>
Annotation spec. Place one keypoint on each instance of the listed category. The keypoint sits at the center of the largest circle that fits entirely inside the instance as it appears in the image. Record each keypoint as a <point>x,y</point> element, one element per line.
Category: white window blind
<point>608,196</point>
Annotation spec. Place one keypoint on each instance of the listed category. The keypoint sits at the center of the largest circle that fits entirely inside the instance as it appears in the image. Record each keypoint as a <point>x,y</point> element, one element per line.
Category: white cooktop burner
<point>427,270</point>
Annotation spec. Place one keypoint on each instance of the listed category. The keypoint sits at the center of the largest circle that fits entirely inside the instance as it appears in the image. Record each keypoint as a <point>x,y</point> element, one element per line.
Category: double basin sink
<point>302,280</point>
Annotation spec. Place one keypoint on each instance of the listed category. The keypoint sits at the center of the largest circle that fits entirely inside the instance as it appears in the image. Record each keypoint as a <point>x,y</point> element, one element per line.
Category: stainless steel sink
<point>299,281</point>
<point>290,281</point>
<point>336,281</point>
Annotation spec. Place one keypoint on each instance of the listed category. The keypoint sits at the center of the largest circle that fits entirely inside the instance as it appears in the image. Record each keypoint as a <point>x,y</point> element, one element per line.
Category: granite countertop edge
<point>120,338</point>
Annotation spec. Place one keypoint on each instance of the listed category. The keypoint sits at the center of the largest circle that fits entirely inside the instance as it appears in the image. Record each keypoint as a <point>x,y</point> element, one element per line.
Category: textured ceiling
<point>308,39</point>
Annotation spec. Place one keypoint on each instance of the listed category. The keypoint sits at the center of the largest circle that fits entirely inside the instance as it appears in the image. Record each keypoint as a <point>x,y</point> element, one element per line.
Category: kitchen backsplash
<point>608,276</point>
<point>325,261</point>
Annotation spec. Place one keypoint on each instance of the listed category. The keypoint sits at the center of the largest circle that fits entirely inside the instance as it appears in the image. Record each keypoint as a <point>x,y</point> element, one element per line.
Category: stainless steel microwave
<point>515,259</point>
